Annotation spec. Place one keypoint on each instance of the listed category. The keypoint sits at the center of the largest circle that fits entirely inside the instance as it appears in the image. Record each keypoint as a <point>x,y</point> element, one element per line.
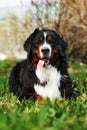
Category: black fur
<point>23,77</point>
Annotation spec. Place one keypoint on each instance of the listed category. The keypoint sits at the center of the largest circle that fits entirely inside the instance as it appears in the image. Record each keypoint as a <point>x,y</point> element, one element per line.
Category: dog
<point>43,74</point>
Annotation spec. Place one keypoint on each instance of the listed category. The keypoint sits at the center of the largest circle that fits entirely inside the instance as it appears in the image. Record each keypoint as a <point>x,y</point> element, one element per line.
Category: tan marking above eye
<point>41,38</point>
<point>49,38</point>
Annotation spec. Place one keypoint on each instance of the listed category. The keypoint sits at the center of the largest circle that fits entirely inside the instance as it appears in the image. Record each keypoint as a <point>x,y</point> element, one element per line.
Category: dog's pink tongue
<point>40,64</point>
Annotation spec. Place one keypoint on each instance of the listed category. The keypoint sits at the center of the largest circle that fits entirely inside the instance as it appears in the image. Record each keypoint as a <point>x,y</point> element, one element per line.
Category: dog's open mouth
<point>42,63</point>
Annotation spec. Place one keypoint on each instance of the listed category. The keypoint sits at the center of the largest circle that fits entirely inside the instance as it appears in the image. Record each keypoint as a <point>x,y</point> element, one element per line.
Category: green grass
<point>57,115</point>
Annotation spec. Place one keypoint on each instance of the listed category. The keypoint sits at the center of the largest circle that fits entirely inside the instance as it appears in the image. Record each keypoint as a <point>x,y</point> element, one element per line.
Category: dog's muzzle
<point>45,51</point>
<point>45,55</point>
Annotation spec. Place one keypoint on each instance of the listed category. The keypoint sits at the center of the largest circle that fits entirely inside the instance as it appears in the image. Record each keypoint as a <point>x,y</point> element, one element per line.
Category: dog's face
<point>45,47</point>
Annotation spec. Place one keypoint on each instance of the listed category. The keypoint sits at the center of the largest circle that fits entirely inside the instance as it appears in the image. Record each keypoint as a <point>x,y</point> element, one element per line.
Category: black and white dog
<point>44,72</point>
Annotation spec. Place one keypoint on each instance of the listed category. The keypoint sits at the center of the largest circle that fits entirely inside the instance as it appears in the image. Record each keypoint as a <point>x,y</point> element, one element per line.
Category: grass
<point>57,115</point>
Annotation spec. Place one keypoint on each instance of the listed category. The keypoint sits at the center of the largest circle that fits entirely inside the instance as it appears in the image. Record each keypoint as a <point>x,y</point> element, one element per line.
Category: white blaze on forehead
<point>45,45</point>
<point>45,34</point>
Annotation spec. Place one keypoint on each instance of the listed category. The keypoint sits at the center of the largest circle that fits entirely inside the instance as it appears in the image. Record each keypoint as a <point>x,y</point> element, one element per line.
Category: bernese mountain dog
<point>44,72</point>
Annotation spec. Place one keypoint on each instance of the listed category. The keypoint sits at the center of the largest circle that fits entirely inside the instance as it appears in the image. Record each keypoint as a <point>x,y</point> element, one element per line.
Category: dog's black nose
<point>45,51</point>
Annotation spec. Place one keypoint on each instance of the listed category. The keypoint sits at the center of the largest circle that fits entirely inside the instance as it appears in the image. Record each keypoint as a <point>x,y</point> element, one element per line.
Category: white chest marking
<point>52,77</point>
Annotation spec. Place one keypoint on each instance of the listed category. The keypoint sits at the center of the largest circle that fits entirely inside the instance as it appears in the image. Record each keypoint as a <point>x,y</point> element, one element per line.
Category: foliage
<point>73,26</point>
<point>69,17</point>
<point>57,115</point>
<point>13,34</point>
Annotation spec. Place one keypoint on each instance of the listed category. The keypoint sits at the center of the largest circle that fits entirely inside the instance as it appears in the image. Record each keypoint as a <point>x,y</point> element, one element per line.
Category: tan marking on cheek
<point>56,57</point>
<point>55,52</point>
<point>36,53</point>
<point>34,62</point>
<point>35,57</point>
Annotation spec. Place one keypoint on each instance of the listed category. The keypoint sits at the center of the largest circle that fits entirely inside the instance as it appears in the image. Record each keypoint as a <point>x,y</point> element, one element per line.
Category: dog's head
<point>45,47</point>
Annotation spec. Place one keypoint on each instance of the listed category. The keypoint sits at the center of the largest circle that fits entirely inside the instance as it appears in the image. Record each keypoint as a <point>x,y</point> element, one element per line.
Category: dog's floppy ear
<point>27,44</point>
<point>63,47</point>
<point>62,44</point>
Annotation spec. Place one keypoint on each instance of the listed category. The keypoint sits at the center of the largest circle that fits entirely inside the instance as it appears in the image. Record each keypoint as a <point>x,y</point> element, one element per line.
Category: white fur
<point>45,34</point>
<point>50,75</point>
<point>45,45</point>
